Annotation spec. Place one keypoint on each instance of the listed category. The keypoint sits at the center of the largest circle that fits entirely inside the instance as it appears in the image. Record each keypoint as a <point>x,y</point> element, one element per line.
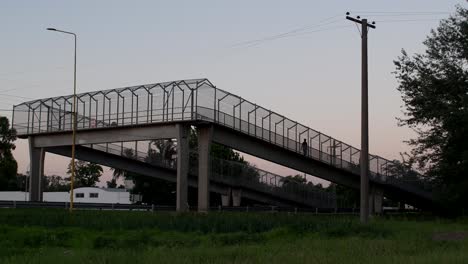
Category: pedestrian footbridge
<point>139,114</point>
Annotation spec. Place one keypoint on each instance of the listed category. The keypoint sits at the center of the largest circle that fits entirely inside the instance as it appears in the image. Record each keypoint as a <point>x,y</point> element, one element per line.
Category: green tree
<point>8,165</point>
<point>403,170</point>
<point>299,180</point>
<point>55,183</point>
<point>21,182</point>
<point>434,87</point>
<point>224,160</point>
<point>163,152</point>
<point>292,181</point>
<point>153,190</point>
<point>112,183</point>
<point>346,196</point>
<point>117,173</point>
<point>86,173</point>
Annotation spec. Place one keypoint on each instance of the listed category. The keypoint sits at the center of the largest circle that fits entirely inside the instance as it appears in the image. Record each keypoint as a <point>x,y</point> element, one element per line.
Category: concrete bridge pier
<point>205,138</point>
<point>236,197</point>
<point>36,171</point>
<point>226,198</point>
<point>375,200</point>
<point>182,167</point>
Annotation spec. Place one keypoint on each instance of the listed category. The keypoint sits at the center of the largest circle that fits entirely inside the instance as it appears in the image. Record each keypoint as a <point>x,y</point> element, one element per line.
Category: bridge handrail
<point>230,174</point>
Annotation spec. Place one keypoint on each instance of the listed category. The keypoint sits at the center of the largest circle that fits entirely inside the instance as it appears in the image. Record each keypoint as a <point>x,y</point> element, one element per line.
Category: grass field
<point>55,236</point>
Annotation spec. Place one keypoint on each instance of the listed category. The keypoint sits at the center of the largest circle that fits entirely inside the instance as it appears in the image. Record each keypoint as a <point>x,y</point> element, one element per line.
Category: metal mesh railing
<point>413,182</point>
<point>236,174</point>
<point>246,176</point>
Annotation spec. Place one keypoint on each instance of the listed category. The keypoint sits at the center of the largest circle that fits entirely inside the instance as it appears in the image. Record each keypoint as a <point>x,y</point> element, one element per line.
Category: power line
<point>319,30</point>
<point>10,101</point>
<point>16,96</point>
<point>35,71</point>
<point>22,87</point>
<point>324,22</point>
<point>298,34</point>
<point>13,89</point>
<point>405,20</point>
<point>274,36</point>
<point>278,36</point>
<point>400,15</point>
<point>394,15</point>
<point>294,35</point>
<point>400,12</point>
<point>50,70</point>
<point>27,87</point>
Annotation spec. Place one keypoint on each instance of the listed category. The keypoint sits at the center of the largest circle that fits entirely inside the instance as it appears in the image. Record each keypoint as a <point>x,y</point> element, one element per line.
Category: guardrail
<point>166,208</point>
<point>163,208</point>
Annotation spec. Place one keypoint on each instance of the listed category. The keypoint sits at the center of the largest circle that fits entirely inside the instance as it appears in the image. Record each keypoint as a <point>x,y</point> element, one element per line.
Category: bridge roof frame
<point>117,90</point>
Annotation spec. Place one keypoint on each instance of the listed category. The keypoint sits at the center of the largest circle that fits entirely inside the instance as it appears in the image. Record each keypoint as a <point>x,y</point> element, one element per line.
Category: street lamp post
<point>74,119</point>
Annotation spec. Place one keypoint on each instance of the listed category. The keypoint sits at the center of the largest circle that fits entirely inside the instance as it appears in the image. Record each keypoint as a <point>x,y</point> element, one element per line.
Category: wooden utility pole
<point>364,160</point>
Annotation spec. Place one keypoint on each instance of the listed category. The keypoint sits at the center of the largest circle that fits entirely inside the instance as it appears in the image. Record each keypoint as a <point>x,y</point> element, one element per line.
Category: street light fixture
<point>74,119</point>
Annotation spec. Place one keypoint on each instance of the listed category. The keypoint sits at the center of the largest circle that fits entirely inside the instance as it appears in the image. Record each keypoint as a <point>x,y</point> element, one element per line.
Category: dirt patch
<point>450,236</point>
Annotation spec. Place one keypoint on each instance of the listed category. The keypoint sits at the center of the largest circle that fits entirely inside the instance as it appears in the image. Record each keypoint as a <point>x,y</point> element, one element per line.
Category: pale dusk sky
<point>312,76</point>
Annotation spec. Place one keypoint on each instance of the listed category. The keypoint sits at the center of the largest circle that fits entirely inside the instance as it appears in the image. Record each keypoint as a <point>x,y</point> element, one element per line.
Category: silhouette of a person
<point>304,147</point>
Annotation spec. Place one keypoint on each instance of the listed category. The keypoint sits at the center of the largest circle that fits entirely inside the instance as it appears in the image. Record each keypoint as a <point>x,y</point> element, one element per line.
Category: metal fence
<point>198,99</point>
<point>169,208</point>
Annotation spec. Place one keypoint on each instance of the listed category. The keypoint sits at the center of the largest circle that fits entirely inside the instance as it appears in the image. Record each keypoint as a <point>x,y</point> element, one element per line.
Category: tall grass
<point>55,236</point>
<point>218,222</point>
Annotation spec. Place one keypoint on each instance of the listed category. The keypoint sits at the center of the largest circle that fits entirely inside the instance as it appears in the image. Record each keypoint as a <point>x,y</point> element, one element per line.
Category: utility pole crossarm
<point>359,21</point>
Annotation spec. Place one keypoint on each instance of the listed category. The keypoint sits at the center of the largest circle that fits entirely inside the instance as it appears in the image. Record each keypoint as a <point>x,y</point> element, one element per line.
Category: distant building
<point>82,195</point>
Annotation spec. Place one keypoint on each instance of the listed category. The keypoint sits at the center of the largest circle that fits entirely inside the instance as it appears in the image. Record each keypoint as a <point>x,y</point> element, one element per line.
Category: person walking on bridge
<point>304,147</point>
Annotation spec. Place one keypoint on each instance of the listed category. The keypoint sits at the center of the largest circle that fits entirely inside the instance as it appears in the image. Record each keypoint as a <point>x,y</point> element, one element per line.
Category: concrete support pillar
<point>236,197</point>
<point>371,203</point>
<point>205,135</point>
<point>401,206</point>
<point>226,198</point>
<point>36,171</point>
<point>182,167</point>
<point>378,203</point>
<point>375,201</point>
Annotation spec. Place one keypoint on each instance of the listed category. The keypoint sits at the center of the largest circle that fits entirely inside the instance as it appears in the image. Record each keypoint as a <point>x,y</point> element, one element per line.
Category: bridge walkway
<point>232,119</point>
